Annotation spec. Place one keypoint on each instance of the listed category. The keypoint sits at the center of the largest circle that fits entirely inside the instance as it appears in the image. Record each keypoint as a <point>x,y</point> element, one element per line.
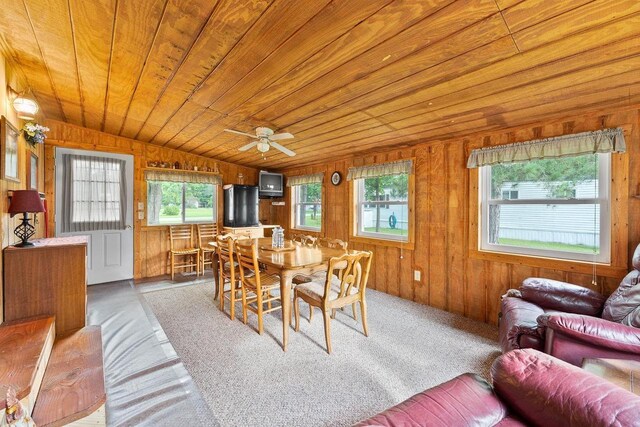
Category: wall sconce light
<point>25,104</point>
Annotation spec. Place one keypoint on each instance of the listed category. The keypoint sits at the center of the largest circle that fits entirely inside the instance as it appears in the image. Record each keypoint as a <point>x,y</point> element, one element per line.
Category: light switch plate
<point>140,206</point>
<point>416,275</point>
<point>141,215</point>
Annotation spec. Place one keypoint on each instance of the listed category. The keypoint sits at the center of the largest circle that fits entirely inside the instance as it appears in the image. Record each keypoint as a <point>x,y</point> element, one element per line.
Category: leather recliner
<point>525,391</point>
<point>572,322</point>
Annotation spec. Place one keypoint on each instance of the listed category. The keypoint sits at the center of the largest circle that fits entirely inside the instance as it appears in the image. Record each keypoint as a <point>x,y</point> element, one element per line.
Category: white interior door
<point>110,251</point>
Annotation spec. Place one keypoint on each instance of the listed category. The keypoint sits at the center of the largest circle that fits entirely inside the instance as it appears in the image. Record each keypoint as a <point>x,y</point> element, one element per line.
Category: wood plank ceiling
<point>344,76</point>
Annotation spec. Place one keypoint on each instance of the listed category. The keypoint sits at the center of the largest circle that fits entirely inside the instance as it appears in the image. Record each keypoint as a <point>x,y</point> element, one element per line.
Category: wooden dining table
<point>300,260</point>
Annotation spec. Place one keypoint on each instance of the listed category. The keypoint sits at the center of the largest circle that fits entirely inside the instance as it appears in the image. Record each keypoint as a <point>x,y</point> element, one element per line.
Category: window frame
<point>603,200</point>
<point>293,193</point>
<point>360,202</point>
<point>378,239</point>
<point>215,206</point>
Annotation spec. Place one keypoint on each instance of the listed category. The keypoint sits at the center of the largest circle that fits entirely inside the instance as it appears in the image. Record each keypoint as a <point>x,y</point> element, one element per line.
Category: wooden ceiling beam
<point>178,30</point>
<point>137,23</point>
<point>224,29</point>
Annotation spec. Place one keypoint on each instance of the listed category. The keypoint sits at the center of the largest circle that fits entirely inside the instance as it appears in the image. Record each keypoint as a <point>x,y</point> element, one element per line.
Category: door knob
<point>128,227</point>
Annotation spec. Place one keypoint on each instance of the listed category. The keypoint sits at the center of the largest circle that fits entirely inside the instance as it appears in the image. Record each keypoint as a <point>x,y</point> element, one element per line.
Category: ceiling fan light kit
<point>265,139</point>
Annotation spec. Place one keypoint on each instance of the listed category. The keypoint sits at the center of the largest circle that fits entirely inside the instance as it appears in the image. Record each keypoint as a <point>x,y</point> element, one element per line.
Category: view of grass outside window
<point>178,203</point>
<point>307,206</point>
<point>383,207</point>
<point>549,207</point>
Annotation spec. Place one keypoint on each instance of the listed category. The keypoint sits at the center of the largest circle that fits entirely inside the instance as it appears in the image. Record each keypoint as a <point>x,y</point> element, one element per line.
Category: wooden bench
<point>72,391</point>
<point>25,348</point>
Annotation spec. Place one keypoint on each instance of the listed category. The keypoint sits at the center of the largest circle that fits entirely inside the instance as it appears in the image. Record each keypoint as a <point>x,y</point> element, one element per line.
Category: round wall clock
<point>336,178</point>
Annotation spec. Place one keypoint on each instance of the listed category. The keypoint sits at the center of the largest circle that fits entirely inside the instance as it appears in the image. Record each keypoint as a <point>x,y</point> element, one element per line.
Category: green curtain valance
<point>603,141</point>
<point>315,178</point>
<point>383,169</point>
<point>176,175</point>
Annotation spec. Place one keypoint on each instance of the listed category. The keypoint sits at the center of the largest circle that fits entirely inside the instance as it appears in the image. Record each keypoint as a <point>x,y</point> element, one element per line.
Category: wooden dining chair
<point>228,272</point>
<point>337,291</point>
<point>326,242</point>
<point>256,285</point>
<point>206,233</point>
<point>304,240</point>
<point>182,246</point>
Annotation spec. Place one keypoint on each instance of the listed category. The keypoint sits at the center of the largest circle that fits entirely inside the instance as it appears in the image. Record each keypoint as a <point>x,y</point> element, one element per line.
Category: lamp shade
<point>25,201</point>
<point>26,106</point>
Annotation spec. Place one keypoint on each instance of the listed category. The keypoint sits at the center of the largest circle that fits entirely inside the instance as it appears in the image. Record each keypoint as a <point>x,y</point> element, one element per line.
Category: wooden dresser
<point>49,278</point>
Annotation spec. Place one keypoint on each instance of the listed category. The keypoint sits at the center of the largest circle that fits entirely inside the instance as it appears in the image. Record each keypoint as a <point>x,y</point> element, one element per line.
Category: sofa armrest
<point>544,390</point>
<point>561,296</point>
<point>517,318</point>
<point>464,400</point>
<point>594,331</point>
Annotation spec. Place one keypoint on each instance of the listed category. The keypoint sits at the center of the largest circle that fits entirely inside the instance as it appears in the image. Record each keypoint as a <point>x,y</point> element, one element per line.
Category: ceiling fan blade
<point>248,146</point>
<point>239,133</point>
<point>281,148</point>
<point>279,136</point>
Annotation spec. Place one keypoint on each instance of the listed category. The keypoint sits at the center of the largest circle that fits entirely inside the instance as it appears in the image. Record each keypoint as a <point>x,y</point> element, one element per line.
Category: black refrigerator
<point>241,206</point>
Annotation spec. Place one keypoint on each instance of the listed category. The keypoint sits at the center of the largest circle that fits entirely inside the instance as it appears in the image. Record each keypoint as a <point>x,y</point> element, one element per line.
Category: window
<point>180,202</point>
<point>94,193</point>
<point>560,208</point>
<point>307,206</point>
<point>382,205</point>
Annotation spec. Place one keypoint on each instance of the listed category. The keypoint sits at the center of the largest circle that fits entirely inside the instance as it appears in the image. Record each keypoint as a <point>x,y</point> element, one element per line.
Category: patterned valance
<point>315,178</point>
<point>603,141</point>
<point>382,169</point>
<point>177,175</point>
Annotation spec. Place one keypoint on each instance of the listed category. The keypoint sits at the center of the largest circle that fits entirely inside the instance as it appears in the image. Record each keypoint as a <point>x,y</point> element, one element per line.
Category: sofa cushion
<point>467,400</point>
<point>561,296</point>
<point>548,392</point>
<point>623,305</point>
<point>519,320</point>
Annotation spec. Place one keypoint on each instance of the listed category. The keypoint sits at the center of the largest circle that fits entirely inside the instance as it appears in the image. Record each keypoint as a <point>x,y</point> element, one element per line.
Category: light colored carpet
<point>248,380</point>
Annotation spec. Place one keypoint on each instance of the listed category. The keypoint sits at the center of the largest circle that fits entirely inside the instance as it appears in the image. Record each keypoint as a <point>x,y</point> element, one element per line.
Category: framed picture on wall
<point>32,172</point>
<point>9,145</point>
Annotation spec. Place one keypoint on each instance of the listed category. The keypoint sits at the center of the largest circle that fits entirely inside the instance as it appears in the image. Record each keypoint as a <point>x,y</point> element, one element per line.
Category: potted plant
<point>35,133</point>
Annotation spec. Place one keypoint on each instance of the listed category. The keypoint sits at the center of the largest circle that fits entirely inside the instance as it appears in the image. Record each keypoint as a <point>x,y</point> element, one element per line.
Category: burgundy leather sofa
<point>572,322</point>
<point>526,391</point>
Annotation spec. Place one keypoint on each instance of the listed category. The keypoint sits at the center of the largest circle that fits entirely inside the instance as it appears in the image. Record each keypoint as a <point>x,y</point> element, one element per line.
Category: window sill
<point>307,230</point>
<point>409,245</point>
<point>581,267</point>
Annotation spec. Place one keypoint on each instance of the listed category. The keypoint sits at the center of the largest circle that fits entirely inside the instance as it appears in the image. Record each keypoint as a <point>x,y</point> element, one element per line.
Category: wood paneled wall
<point>454,275</point>
<point>151,243</point>
<point>10,77</point>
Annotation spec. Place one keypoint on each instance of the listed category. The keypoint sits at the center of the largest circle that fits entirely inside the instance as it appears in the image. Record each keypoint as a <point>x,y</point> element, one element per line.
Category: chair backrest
<point>206,233</point>
<point>352,270</point>
<point>225,244</point>
<point>304,239</point>
<point>246,251</point>
<point>181,235</point>
<point>325,242</point>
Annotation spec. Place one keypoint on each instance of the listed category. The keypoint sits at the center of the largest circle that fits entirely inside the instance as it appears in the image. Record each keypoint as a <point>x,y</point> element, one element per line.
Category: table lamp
<point>25,202</point>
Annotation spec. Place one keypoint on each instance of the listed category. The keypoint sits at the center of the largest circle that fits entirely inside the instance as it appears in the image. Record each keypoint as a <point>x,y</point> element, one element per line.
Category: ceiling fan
<point>265,139</point>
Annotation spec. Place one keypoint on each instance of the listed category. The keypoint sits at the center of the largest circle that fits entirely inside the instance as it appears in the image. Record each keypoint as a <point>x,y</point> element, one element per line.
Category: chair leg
<point>363,311</point>
<point>220,289</point>
<point>296,310</point>
<point>269,302</point>
<point>260,303</point>
<point>244,305</point>
<point>172,268</point>
<point>232,300</point>
<point>310,312</point>
<point>327,329</point>
<point>355,313</point>
<point>333,313</point>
